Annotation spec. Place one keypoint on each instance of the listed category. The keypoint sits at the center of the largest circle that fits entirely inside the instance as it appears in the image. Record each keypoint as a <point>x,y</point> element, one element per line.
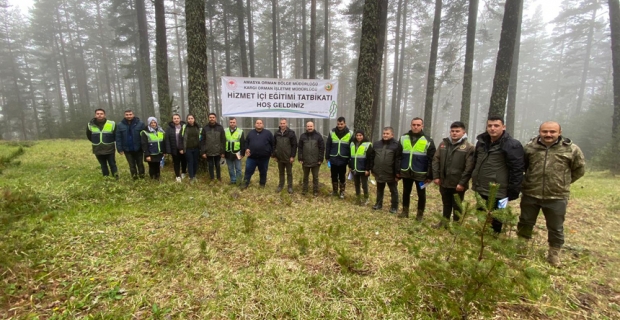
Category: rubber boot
<point>405,213</point>
<point>342,187</point>
<point>553,257</point>
<point>420,215</point>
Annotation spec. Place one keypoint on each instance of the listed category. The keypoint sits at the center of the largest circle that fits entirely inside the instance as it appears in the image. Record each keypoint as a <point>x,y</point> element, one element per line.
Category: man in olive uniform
<point>234,144</point>
<point>284,153</point>
<point>102,134</point>
<point>310,155</point>
<point>385,157</point>
<point>416,166</point>
<point>453,164</point>
<point>213,145</point>
<point>552,164</point>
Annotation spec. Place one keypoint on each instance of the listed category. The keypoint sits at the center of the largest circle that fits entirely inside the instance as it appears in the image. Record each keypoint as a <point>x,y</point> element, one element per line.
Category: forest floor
<point>76,245</point>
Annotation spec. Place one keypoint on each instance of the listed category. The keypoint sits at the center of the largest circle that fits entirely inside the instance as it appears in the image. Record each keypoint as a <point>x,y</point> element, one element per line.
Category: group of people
<point>542,171</point>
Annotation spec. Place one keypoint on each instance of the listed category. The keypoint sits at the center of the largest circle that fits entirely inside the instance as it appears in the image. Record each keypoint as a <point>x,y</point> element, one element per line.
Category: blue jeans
<point>193,156</point>
<point>104,161</point>
<point>250,167</point>
<point>234,169</point>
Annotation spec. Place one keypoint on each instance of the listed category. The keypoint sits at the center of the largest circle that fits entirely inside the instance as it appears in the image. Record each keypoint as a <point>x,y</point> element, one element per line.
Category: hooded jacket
<point>498,162</point>
<point>549,171</point>
<point>171,138</point>
<point>128,135</point>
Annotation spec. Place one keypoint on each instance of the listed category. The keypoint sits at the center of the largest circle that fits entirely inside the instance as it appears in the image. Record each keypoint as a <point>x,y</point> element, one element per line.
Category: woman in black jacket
<point>174,146</point>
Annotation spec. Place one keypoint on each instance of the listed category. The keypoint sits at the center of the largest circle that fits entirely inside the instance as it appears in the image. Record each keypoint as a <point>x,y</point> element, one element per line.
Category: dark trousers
<point>180,162</point>
<point>361,182</point>
<point>214,161</point>
<point>104,161</point>
<point>250,166</point>
<point>136,166</point>
<point>339,173</point>
<point>554,211</point>
<point>450,205</point>
<point>407,188</point>
<point>192,156</point>
<point>393,193</point>
<point>288,167</point>
<point>315,178</point>
<point>495,224</point>
<point>154,170</point>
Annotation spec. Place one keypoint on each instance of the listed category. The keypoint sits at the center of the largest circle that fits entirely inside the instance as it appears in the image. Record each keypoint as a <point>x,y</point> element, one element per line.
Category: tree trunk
<point>251,38</point>
<point>60,45</point>
<point>586,62</point>
<point>213,65</point>
<point>376,102</point>
<point>312,74</point>
<point>145,57</point>
<point>161,55</point>
<point>197,64</point>
<point>274,37</point>
<point>226,39</point>
<point>369,63</point>
<point>395,109</point>
<point>33,99</point>
<point>514,79</point>
<point>326,48</point>
<point>614,26</point>
<point>304,40</point>
<point>469,61</point>
<point>507,41</point>
<point>432,65</point>
<point>558,71</point>
<point>104,57</point>
<point>242,53</point>
<point>180,61</point>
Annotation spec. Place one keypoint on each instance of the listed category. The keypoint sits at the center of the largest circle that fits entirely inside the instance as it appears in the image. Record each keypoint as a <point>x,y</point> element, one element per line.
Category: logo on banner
<point>231,84</point>
<point>329,87</point>
<point>333,108</point>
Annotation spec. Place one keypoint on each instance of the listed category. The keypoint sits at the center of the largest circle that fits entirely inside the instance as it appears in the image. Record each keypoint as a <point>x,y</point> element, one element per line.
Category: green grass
<point>76,245</point>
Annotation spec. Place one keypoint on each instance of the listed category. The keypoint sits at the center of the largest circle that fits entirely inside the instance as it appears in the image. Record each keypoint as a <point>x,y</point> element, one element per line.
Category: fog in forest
<point>62,59</point>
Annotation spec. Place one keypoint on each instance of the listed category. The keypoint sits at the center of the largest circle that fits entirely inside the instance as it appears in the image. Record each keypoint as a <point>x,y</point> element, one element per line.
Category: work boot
<point>441,224</point>
<point>377,206</point>
<point>393,210</point>
<point>553,257</point>
<point>334,189</point>
<point>405,213</point>
<point>342,187</point>
<point>420,215</point>
<point>279,189</point>
<point>290,190</point>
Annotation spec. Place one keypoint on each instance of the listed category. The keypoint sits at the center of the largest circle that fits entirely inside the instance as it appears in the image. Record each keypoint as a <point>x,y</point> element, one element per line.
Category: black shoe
<point>393,210</point>
<point>244,186</point>
<point>290,190</point>
<point>279,189</point>
<point>315,193</point>
<point>377,207</point>
<point>262,186</point>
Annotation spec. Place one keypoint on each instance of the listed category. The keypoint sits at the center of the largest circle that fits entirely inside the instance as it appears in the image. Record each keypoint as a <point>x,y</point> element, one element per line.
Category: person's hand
<point>397,176</point>
<point>427,181</point>
<point>148,159</point>
<point>513,195</point>
<point>247,152</point>
<point>367,173</point>
<point>460,188</point>
<point>222,156</point>
<point>204,156</point>
<point>301,162</point>
<point>122,153</point>
<point>292,159</point>
<point>180,151</point>
<point>437,181</point>
<point>320,162</point>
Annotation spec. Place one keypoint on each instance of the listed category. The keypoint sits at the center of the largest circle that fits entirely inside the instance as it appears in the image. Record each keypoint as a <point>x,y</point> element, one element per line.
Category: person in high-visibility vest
<point>154,146</point>
<point>102,134</point>
<point>360,165</point>
<point>416,166</point>
<point>235,142</point>
<point>338,152</point>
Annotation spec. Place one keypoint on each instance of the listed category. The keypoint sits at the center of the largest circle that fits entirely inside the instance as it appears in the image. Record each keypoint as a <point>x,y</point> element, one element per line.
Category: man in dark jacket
<point>416,166</point>
<point>101,133</point>
<point>310,155</point>
<point>499,160</point>
<point>337,152</point>
<point>174,146</point>
<point>128,143</point>
<point>386,156</point>
<point>258,148</point>
<point>453,164</point>
<point>213,144</point>
<point>284,153</point>
<point>235,143</point>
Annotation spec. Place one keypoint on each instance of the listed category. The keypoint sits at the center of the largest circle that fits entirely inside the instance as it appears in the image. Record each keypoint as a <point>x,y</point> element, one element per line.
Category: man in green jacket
<point>102,134</point>
<point>453,164</point>
<point>310,155</point>
<point>552,164</point>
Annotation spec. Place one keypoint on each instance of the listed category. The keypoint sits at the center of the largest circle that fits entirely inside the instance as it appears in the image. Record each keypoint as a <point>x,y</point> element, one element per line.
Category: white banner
<point>279,98</point>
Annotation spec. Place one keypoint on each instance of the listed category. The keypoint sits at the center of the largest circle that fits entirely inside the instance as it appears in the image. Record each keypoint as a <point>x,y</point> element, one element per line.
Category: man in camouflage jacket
<point>552,163</point>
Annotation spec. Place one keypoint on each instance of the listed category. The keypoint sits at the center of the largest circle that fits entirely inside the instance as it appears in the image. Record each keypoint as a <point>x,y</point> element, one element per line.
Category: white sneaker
<point>182,175</point>
<point>178,179</point>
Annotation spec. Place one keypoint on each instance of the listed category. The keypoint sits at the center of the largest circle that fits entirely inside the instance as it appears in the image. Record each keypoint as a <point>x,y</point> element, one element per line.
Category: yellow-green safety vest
<point>104,136</point>
<point>358,156</point>
<point>336,149</point>
<point>154,139</point>
<point>233,140</point>
<point>414,156</point>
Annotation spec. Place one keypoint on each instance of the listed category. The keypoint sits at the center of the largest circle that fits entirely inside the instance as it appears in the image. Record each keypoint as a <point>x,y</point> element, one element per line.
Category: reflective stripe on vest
<point>155,140</point>
<point>233,140</point>
<point>104,136</point>
<point>199,132</point>
<point>340,142</point>
<point>358,156</point>
<point>414,154</point>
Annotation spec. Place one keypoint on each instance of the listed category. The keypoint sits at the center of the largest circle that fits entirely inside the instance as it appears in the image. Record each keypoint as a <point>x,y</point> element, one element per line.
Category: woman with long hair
<point>153,145</point>
<point>190,133</point>
<point>360,165</point>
